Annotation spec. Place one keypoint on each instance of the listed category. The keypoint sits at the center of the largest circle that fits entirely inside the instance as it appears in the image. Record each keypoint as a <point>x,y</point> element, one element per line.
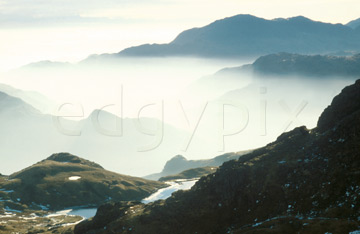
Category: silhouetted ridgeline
<point>246,35</point>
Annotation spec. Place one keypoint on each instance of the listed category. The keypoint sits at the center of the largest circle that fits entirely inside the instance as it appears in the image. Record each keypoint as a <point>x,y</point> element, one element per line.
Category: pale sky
<point>70,30</point>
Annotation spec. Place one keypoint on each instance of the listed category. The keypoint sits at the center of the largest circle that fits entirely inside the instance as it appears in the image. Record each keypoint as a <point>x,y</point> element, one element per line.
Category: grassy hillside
<point>64,180</point>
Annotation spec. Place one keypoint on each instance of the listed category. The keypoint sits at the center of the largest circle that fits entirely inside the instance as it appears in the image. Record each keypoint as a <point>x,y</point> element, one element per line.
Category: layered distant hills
<point>247,35</point>
<point>35,99</point>
<point>307,181</point>
<point>25,131</point>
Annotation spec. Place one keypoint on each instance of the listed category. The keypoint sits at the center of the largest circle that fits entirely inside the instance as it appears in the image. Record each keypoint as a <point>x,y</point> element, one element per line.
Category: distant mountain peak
<point>179,157</point>
<point>242,17</point>
<point>299,18</point>
<point>175,163</point>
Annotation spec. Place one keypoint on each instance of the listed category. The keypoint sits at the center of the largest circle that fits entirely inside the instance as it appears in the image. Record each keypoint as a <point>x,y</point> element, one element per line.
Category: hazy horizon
<point>70,32</point>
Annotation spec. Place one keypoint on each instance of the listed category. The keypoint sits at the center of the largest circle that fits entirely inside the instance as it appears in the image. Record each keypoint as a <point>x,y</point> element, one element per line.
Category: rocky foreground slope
<point>64,180</point>
<point>307,181</point>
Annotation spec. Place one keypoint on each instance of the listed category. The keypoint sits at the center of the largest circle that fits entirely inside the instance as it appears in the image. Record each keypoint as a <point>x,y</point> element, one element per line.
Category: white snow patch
<point>31,217</point>
<point>74,178</point>
<point>85,213</point>
<point>68,224</point>
<point>59,213</point>
<point>166,192</point>
<point>7,215</point>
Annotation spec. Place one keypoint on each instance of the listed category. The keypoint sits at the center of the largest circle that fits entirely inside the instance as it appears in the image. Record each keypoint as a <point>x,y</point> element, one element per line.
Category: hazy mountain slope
<point>286,64</point>
<point>64,180</point>
<point>268,102</point>
<point>306,181</point>
<point>354,23</point>
<point>25,129</point>
<point>46,64</point>
<point>16,105</point>
<point>179,164</point>
<point>35,99</point>
<point>246,35</point>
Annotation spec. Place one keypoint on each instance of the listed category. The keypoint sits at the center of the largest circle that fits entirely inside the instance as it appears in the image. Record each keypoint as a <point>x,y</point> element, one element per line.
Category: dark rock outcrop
<point>344,106</point>
<point>105,214</point>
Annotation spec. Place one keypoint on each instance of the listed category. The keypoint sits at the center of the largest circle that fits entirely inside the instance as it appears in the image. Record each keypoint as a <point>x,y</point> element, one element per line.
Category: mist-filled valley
<point>190,106</point>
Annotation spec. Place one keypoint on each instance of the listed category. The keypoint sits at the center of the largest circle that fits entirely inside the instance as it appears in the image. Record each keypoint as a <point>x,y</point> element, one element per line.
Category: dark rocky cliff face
<point>307,181</point>
<point>344,106</point>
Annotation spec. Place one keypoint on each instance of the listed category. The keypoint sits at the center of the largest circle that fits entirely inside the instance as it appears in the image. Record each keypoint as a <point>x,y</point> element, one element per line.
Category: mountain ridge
<point>247,35</point>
